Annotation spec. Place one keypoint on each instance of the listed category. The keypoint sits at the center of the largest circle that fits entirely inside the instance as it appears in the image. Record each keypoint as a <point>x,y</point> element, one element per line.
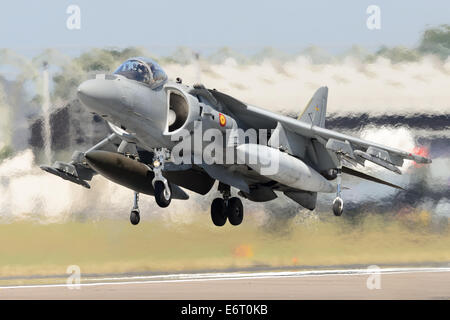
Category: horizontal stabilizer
<point>377,160</point>
<point>367,177</point>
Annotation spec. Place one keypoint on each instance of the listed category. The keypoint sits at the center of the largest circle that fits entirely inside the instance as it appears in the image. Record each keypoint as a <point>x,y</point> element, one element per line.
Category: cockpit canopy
<point>143,70</point>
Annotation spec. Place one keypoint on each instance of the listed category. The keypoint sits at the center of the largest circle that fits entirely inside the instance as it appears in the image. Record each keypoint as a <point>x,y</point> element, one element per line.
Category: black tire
<point>218,212</point>
<point>135,217</point>
<point>159,195</point>
<point>235,211</point>
<point>338,207</point>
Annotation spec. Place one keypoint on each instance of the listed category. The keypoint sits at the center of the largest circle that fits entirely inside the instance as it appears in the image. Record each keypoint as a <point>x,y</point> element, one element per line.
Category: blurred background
<point>388,85</point>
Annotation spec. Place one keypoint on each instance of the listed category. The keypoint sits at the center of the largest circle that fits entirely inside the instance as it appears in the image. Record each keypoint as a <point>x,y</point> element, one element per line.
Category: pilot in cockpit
<point>142,73</point>
<point>143,70</point>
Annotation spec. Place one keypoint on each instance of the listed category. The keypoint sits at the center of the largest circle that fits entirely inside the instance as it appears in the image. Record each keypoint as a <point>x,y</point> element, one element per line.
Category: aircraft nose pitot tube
<point>283,168</point>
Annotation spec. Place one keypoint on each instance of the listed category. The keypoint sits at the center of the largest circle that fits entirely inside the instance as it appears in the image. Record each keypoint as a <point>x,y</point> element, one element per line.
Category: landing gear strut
<point>134,215</point>
<point>228,207</point>
<point>338,203</point>
<point>163,192</point>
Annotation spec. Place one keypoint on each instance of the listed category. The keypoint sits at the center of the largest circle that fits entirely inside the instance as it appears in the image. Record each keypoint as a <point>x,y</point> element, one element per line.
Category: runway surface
<point>393,283</point>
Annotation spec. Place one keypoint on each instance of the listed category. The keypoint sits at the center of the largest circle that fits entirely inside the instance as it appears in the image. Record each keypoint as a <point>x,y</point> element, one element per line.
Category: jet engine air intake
<point>178,111</point>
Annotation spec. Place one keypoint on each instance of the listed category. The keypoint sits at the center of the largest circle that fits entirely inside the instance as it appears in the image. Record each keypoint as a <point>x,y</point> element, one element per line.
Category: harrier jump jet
<point>155,122</point>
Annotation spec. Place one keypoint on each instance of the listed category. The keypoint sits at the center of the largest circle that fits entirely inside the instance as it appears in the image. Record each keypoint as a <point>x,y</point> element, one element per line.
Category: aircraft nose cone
<point>99,95</point>
<point>86,90</point>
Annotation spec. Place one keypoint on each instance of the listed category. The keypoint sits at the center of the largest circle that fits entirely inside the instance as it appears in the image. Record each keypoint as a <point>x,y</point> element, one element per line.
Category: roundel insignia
<point>222,120</point>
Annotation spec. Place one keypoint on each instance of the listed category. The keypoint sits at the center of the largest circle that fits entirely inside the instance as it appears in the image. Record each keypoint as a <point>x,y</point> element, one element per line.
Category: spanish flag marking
<point>222,120</point>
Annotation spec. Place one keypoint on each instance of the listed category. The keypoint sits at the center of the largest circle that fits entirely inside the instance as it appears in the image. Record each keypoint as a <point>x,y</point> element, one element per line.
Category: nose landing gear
<point>163,192</point>
<point>230,208</point>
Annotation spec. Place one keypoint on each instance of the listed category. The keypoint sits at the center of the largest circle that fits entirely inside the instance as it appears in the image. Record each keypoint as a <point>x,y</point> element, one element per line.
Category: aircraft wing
<point>77,170</point>
<point>327,144</point>
<point>349,146</point>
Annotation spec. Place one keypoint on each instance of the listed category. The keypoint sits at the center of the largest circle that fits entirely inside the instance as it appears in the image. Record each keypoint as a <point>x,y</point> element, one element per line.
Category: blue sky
<point>205,25</point>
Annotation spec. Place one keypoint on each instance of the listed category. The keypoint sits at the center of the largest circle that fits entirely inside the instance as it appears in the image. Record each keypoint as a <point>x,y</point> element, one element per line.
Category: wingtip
<point>419,159</point>
<point>423,159</point>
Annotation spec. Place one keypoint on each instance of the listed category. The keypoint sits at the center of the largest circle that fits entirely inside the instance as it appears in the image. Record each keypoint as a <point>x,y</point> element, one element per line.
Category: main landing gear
<point>228,207</point>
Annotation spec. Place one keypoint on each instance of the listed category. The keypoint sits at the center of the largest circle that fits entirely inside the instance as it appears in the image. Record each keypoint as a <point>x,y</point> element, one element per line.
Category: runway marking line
<point>176,278</point>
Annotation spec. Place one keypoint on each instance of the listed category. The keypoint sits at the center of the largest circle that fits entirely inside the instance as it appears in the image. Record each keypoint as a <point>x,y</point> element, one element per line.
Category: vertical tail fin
<point>316,109</point>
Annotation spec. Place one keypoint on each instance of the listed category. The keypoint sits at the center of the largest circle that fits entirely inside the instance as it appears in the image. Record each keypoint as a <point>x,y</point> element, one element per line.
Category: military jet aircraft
<point>150,117</point>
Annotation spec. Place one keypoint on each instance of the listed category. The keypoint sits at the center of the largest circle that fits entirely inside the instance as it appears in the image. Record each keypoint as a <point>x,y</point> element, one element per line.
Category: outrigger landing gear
<point>338,203</point>
<point>228,207</point>
<point>163,192</point>
<point>134,215</point>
